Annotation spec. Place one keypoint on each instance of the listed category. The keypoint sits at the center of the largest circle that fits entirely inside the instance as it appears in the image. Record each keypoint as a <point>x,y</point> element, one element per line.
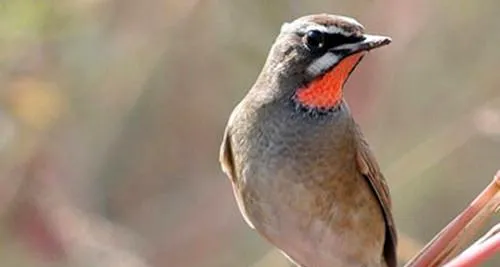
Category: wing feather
<point>227,162</point>
<point>368,166</point>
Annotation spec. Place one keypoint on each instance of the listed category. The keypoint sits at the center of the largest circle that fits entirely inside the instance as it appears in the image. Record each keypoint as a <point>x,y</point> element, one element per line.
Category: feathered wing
<point>368,166</point>
<point>227,162</point>
<point>226,156</point>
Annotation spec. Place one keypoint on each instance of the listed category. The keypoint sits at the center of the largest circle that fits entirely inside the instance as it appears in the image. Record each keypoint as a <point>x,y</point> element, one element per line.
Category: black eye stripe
<point>318,41</point>
<point>336,39</point>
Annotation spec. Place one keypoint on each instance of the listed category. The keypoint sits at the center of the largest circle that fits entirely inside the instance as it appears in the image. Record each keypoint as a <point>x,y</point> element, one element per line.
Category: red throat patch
<point>326,91</point>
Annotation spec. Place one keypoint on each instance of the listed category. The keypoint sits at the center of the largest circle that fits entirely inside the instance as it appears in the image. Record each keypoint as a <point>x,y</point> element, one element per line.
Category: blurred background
<point>112,112</point>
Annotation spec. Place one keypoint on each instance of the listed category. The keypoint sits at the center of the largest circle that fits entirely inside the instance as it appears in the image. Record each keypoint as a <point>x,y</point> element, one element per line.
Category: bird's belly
<point>332,221</point>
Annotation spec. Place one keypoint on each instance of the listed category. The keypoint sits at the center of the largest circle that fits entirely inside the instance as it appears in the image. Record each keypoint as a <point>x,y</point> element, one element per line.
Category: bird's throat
<point>325,92</point>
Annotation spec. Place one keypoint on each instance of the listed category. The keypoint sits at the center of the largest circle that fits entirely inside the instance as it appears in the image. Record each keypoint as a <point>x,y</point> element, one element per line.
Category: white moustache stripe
<point>321,64</point>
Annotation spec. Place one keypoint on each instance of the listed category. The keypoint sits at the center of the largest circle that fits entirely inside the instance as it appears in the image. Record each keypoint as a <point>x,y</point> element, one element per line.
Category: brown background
<point>112,111</point>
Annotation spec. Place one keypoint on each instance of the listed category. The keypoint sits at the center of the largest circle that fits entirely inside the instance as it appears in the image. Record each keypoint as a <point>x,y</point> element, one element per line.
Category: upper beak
<point>369,42</point>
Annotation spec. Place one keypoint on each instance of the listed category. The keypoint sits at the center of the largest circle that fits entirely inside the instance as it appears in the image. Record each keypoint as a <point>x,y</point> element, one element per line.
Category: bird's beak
<point>369,42</point>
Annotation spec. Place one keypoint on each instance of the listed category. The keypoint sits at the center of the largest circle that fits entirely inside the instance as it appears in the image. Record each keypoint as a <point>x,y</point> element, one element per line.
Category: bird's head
<point>314,55</point>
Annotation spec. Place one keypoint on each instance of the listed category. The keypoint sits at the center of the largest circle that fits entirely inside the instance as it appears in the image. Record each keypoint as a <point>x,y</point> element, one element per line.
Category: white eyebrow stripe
<point>320,28</point>
<point>334,29</point>
<point>330,29</point>
<point>306,27</point>
<point>322,63</point>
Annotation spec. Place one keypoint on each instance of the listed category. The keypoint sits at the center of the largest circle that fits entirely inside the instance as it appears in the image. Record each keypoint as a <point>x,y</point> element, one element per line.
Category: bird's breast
<point>301,189</point>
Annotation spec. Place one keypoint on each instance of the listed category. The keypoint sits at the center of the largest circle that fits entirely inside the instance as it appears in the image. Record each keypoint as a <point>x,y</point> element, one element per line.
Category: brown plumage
<point>302,173</point>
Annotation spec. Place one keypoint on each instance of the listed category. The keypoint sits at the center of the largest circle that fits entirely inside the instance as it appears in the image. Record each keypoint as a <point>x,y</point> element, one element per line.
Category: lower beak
<point>369,42</point>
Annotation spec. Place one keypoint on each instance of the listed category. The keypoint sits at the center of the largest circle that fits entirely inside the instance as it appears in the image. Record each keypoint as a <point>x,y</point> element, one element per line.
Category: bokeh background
<point>112,112</point>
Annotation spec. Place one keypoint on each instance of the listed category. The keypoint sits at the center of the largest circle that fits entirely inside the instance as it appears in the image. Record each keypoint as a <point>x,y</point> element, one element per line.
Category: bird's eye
<point>314,39</point>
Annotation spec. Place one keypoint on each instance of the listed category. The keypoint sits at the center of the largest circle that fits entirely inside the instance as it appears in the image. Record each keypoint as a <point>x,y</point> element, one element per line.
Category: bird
<point>302,173</point>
